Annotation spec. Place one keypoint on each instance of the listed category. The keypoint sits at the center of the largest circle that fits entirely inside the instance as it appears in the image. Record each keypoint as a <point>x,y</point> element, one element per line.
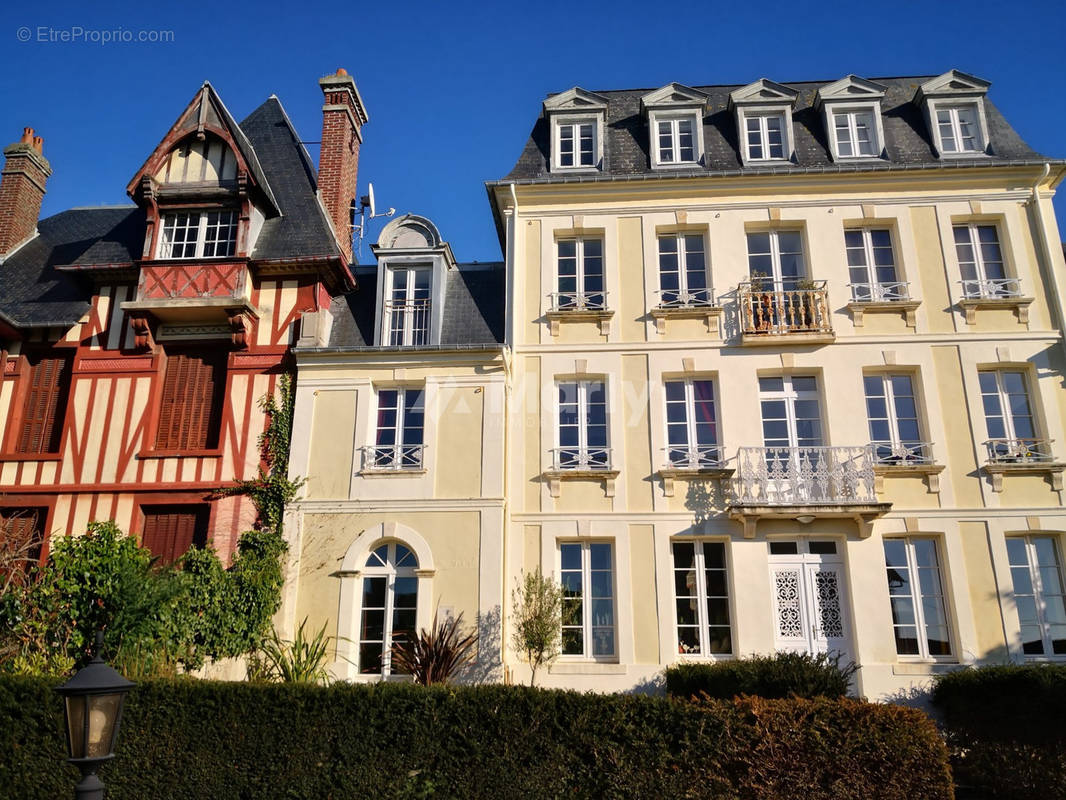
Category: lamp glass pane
<point>103,713</point>
<point>76,726</point>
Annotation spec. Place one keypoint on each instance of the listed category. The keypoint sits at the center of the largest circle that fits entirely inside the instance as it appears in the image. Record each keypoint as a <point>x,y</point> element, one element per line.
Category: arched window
<point>389,607</point>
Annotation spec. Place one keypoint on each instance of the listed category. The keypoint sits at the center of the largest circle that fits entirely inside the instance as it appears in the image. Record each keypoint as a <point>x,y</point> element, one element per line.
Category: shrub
<point>183,738</point>
<point>775,676</point>
<point>1004,724</point>
<point>303,660</point>
<point>536,619</point>
<point>436,655</point>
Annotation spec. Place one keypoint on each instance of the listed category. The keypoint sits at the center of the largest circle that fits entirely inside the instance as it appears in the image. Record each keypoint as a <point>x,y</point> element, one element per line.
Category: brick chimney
<point>21,190</point>
<point>343,117</point>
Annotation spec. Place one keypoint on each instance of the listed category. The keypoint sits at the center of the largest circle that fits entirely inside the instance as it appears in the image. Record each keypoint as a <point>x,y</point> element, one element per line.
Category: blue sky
<point>453,88</point>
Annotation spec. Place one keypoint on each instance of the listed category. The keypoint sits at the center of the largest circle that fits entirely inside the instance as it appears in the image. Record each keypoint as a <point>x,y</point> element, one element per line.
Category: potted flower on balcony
<point>762,302</point>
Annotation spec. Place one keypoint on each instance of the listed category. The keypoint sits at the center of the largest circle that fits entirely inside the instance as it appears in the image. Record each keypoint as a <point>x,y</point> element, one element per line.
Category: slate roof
<point>474,299</point>
<point>907,140</point>
<point>34,294</point>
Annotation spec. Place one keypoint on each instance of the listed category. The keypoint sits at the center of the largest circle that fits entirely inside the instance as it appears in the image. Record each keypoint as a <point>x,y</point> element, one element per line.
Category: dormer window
<point>407,307</point>
<point>577,119</point>
<point>198,234</point>
<point>852,111</point>
<point>675,125</point>
<point>955,112</point>
<point>576,143</point>
<point>764,118</point>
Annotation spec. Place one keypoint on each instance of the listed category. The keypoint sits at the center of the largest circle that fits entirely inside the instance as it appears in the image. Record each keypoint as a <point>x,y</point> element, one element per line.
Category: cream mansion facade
<point>770,367</point>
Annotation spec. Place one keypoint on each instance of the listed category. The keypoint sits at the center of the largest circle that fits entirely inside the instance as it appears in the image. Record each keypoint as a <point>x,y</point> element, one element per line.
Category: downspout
<point>509,268</point>
<point>1045,249</point>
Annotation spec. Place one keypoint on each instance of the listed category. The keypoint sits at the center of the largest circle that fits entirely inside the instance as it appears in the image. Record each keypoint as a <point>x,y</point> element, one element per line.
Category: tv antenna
<point>367,202</point>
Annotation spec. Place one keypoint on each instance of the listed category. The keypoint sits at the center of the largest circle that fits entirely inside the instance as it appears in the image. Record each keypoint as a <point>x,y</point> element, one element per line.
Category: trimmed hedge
<point>1005,727</point>
<point>203,739</point>
<point>774,676</point>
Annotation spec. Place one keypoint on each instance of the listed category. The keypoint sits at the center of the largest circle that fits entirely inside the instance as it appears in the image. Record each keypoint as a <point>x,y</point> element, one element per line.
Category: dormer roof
<point>953,83</point>
<point>673,95</point>
<point>763,92</point>
<point>207,113</point>
<point>850,87</point>
<point>412,234</point>
<point>575,99</point>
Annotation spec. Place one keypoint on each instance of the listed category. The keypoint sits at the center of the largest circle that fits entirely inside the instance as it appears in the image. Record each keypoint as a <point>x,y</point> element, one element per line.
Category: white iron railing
<point>581,458</point>
<point>902,453</point>
<point>697,456</point>
<point>1019,451</point>
<point>770,310</point>
<point>782,476</point>
<point>393,457</point>
<point>578,301</point>
<point>991,288</point>
<point>685,298</point>
<point>880,292</point>
<point>407,323</point>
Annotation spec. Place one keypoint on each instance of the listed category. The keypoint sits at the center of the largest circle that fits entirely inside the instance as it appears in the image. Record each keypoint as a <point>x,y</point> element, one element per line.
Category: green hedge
<point>774,676</point>
<point>200,739</point>
<point>1006,728</point>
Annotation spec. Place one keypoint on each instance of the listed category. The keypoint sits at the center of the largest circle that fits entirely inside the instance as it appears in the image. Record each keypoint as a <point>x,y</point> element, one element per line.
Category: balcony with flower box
<point>886,297</point>
<point>990,293</point>
<point>805,484</point>
<point>686,304</point>
<point>1022,457</point>
<point>576,463</point>
<point>579,307</point>
<point>771,313</point>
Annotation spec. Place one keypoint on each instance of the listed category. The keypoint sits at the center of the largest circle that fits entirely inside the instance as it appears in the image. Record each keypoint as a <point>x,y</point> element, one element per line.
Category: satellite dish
<point>370,194</point>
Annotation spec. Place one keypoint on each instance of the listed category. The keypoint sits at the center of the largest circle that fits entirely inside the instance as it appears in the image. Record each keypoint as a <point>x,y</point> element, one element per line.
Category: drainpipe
<point>1045,248</point>
<point>508,401</point>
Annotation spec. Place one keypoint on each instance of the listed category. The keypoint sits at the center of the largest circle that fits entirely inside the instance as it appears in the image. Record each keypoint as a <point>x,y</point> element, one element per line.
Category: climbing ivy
<point>271,490</point>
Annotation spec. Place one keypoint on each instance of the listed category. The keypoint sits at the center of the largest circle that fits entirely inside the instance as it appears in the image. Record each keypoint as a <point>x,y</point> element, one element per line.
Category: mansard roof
<point>907,139</point>
<point>33,293</point>
<point>473,310</point>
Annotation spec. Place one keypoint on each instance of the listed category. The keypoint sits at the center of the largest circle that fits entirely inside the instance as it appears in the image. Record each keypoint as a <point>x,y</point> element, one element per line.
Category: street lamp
<point>93,699</point>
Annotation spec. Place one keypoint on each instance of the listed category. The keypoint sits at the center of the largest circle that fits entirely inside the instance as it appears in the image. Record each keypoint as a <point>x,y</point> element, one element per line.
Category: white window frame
<point>889,395</point>
<point>786,132</point>
<point>582,446</point>
<point>877,136</point>
<point>699,566</point>
<point>979,264</point>
<point>558,121</point>
<point>587,622</point>
<point>674,117</point>
<point>1038,595</point>
<point>164,250</point>
<point>690,417</point>
<point>952,105</point>
<point>870,267</point>
<point>682,253</point>
<point>917,598</point>
<point>777,278</point>
<point>390,572</point>
<point>790,395</point>
<point>1006,412</point>
<point>410,311</point>
<point>579,273</point>
<point>399,462</point>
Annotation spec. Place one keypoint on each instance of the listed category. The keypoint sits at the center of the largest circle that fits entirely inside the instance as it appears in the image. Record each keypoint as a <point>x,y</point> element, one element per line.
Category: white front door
<point>809,589</point>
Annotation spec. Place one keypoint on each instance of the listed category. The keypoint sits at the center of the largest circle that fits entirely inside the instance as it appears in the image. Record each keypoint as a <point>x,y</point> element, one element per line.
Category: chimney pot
<point>342,71</point>
<point>27,136</point>
<point>38,144</point>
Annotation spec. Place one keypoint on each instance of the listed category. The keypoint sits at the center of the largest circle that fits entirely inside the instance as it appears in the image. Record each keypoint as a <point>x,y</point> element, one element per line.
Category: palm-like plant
<point>436,655</point>
<point>303,660</point>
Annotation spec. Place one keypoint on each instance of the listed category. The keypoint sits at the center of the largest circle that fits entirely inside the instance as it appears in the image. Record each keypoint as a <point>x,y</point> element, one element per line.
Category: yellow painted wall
<point>332,445</point>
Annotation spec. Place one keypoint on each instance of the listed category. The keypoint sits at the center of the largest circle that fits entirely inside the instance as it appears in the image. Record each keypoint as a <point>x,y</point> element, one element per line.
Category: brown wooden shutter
<point>19,526</point>
<point>45,404</point>
<point>191,407</point>
<point>171,530</point>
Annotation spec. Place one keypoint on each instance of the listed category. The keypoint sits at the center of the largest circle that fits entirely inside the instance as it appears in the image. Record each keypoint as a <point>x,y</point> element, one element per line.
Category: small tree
<point>537,619</point>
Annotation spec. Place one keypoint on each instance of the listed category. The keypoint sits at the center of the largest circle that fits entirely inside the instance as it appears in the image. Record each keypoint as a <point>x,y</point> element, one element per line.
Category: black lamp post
<point>93,699</point>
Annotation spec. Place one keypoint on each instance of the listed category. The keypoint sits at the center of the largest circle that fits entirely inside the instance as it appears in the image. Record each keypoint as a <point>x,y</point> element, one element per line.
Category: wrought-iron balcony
<point>899,453</point>
<point>768,312</point>
<point>805,475</point>
<point>686,304</point>
<point>1022,456</point>
<point>684,298</point>
<point>407,322</point>
<point>898,291</point>
<point>991,288</point>
<point>693,457</point>
<point>393,457</point>
<point>579,307</point>
<point>580,463</point>
<point>1019,451</point>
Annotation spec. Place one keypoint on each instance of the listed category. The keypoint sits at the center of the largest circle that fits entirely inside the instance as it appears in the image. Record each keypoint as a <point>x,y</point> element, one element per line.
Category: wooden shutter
<point>171,530</point>
<point>45,404</point>
<point>191,407</point>
<point>19,526</point>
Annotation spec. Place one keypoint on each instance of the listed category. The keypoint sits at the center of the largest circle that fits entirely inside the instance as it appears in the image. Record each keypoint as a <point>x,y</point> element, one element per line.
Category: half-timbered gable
<point>136,341</point>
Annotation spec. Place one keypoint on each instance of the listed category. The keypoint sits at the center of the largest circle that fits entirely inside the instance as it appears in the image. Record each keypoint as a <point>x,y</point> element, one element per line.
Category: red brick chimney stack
<point>21,190</point>
<point>343,117</point>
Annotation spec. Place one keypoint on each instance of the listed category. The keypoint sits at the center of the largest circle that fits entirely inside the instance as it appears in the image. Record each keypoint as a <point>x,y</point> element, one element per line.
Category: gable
<point>953,83</point>
<point>851,87</point>
<point>763,91</point>
<point>209,160</point>
<point>673,95</point>
<point>575,99</point>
